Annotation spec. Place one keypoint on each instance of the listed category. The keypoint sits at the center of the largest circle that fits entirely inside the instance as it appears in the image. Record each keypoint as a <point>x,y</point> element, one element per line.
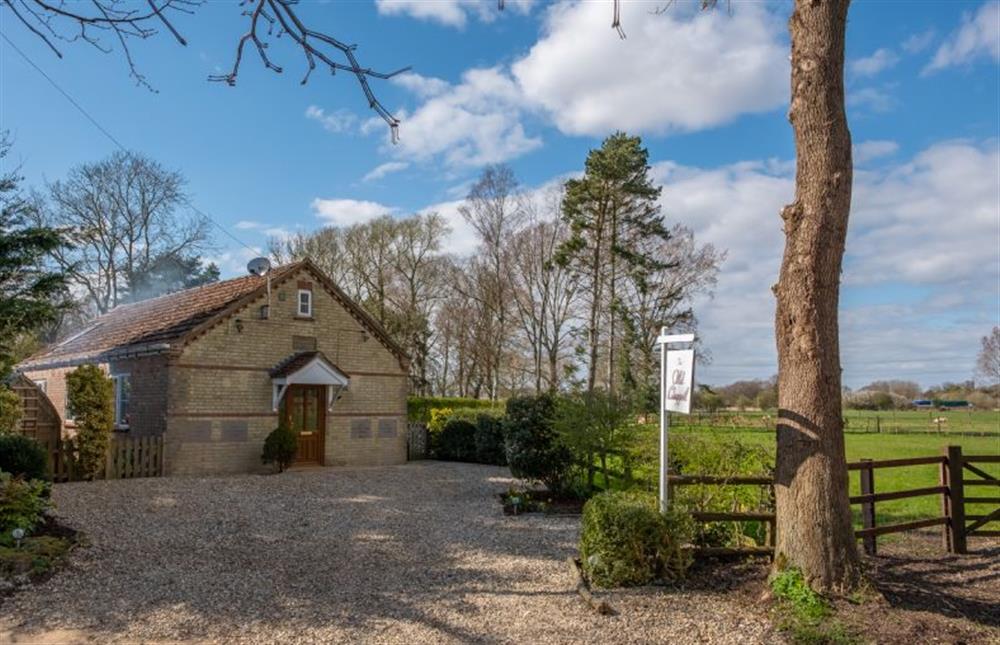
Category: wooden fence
<point>957,525</point>
<point>127,457</point>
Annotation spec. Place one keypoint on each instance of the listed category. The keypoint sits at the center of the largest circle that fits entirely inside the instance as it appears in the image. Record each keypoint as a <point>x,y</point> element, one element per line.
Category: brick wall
<point>55,389</point>
<point>219,389</point>
<point>147,410</point>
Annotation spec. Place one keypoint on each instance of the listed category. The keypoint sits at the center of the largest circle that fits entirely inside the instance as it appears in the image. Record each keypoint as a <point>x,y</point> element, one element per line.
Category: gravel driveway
<point>414,553</point>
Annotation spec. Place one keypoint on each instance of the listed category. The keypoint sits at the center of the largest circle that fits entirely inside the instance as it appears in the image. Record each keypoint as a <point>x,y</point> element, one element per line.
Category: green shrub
<point>533,448</point>
<point>439,416</point>
<point>23,502</point>
<point>280,446</point>
<point>419,408</point>
<point>91,402</point>
<point>490,440</point>
<point>23,456</point>
<point>10,410</point>
<point>626,541</point>
<point>456,441</point>
<point>595,426</point>
<point>690,455</point>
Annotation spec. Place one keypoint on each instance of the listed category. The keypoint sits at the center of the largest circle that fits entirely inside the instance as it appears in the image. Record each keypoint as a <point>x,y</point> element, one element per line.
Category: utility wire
<point>111,137</point>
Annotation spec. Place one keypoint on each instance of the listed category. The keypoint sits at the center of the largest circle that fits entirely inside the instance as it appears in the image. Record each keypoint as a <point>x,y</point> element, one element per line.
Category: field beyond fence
<point>968,422</point>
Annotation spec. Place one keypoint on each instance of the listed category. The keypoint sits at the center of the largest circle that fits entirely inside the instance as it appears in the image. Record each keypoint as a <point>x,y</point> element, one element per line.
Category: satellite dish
<point>258,266</point>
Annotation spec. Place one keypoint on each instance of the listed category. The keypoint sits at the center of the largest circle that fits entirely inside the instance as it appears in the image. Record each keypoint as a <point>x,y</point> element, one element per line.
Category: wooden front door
<point>305,413</point>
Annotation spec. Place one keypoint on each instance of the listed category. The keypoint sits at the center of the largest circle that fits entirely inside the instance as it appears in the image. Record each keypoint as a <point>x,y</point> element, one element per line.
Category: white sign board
<point>679,381</point>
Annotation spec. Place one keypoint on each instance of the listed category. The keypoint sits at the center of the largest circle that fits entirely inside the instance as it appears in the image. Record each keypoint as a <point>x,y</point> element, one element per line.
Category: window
<point>123,388</point>
<point>305,303</point>
<point>43,385</point>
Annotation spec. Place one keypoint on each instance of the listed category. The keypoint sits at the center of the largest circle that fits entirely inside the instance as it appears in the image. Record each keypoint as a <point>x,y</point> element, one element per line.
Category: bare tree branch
<point>49,20</point>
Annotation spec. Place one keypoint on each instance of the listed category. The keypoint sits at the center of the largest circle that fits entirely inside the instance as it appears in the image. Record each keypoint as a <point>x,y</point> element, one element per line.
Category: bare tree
<point>268,21</point>
<point>988,361</point>
<point>420,272</point>
<point>494,209</point>
<point>664,298</point>
<point>544,292</point>
<point>325,247</point>
<point>125,217</point>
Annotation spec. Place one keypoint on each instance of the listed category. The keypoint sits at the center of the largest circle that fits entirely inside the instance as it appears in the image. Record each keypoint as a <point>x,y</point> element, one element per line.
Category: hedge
<point>418,408</point>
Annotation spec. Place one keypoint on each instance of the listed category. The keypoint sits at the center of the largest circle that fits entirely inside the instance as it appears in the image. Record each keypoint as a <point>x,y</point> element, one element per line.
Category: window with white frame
<point>305,303</point>
<point>123,388</point>
<point>43,385</point>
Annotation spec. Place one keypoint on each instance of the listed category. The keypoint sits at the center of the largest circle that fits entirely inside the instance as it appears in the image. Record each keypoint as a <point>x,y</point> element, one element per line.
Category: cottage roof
<point>170,321</point>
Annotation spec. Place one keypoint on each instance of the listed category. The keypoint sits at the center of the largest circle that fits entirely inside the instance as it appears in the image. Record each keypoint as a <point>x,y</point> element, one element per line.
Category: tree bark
<point>813,513</point>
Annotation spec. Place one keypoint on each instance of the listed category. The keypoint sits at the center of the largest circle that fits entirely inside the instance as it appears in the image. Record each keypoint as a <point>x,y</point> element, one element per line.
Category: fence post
<point>956,499</point>
<point>946,534</point>
<point>867,474</point>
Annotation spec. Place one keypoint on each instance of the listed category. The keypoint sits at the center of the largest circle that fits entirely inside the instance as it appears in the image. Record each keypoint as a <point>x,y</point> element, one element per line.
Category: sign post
<point>676,387</point>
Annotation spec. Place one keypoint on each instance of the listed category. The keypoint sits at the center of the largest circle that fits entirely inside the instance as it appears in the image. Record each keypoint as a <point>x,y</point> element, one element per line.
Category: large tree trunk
<point>813,514</point>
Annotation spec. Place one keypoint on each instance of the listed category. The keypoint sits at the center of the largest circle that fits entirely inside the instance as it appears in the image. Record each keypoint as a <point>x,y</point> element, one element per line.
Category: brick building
<point>214,368</point>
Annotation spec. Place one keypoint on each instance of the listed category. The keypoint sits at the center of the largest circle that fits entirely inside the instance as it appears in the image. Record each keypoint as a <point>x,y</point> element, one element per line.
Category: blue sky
<point>538,85</point>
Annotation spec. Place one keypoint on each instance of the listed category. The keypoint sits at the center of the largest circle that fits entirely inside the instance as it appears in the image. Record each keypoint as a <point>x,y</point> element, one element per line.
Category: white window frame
<point>308,313</point>
<point>42,384</point>
<point>121,424</point>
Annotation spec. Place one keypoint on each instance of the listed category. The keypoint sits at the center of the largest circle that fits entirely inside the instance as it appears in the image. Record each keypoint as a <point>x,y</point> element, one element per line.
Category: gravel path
<point>410,554</point>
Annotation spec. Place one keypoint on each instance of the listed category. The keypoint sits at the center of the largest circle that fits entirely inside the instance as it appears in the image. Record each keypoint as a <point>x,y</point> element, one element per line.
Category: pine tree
<point>30,295</point>
<point>612,212</point>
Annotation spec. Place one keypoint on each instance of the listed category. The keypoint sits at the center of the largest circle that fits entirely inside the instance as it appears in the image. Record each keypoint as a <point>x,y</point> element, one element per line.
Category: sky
<point>538,85</point>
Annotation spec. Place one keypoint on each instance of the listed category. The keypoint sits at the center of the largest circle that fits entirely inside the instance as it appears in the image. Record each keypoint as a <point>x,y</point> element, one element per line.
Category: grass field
<point>891,446</point>
<point>889,421</point>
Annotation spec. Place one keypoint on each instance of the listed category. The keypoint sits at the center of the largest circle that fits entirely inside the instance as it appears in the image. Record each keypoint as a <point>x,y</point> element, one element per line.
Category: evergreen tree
<point>30,295</point>
<point>613,214</point>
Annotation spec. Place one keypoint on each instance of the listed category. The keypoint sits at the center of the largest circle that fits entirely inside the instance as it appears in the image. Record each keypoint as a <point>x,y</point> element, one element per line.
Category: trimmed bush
<point>23,457</point>
<point>490,447</point>
<point>280,447</point>
<point>626,541</point>
<point>92,404</point>
<point>10,410</point>
<point>533,448</point>
<point>23,503</point>
<point>457,441</point>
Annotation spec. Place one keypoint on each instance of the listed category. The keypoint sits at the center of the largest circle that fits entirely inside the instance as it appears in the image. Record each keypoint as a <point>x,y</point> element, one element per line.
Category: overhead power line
<point>110,136</point>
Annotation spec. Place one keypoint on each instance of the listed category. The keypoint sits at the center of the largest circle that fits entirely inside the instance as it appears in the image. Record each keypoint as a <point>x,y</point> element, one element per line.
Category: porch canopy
<point>307,368</point>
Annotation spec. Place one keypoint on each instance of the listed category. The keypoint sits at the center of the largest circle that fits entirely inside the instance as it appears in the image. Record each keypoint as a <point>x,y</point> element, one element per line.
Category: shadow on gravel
<point>957,586</point>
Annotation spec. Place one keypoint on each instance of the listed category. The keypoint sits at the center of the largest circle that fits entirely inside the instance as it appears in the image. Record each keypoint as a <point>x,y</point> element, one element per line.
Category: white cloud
<point>474,123</point>
<point>918,42</point>
<point>874,149</point>
<point>875,99</point>
<point>879,61</point>
<point>462,240</point>
<point>247,225</point>
<point>382,170</point>
<point>977,37</point>
<point>345,212</point>
<point>682,70</point>
<point>278,232</point>
<point>932,221</point>
<point>233,262</point>
<point>336,122</point>
<point>453,13</point>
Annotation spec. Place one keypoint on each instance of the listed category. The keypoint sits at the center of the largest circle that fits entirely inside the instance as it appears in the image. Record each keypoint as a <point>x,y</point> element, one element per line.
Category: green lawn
<point>890,421</point>
<point>894,446</point>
